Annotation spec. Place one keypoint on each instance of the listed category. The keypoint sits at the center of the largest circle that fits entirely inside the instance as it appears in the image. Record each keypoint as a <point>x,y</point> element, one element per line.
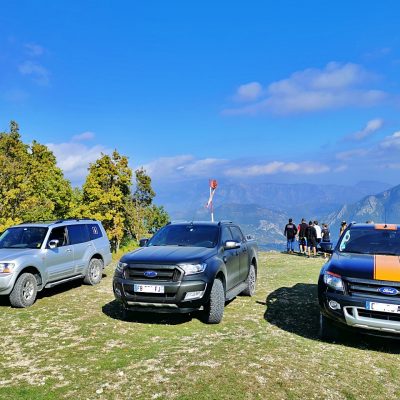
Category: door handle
<point>69,250</point>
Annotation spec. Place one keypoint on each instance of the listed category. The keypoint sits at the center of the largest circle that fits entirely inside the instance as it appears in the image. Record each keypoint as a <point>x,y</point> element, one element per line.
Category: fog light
<point>334,305</point>
<point>194,295</point>
<point>117,292</point>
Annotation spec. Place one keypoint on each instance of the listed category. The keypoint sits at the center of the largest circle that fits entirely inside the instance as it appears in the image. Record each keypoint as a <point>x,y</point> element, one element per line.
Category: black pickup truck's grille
<point>164,273</point>
<point>367,288</point>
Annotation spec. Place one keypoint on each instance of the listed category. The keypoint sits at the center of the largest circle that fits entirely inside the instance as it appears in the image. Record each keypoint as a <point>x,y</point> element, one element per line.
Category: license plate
<point>391,308</point>
<point>148,288</point>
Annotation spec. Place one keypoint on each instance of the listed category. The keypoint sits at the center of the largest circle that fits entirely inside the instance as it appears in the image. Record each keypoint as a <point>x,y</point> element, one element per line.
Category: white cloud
<point>34,50</point>
<point>371,127</point>
<point>37,72</point>
<point>391,142</point>
<point>276,167</point>
<point>351,154</point>
<point>83,136</point>
<point>248,92</point>
<point>337,85</point>
<point>183,166</point>
<point>74,158</point>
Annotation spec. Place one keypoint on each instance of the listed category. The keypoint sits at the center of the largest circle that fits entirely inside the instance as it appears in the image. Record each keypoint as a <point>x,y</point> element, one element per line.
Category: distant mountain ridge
<point>382,207</point>
<point>263,209</point>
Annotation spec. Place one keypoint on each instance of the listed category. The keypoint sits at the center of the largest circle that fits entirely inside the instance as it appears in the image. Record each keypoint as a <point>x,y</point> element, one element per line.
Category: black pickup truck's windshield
<point>371,241</point>
<point>186,235</point>
<point>23,238</point>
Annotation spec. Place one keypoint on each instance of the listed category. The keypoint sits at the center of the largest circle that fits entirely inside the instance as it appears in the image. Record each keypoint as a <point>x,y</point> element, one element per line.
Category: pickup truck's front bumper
<point>353,313</point>
<point>172,300</point>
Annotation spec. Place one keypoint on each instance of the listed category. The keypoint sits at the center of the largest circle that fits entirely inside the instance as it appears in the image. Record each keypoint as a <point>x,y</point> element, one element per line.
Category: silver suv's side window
<point>78,234</point>
<point>94,231</point>
<point>59,234</point>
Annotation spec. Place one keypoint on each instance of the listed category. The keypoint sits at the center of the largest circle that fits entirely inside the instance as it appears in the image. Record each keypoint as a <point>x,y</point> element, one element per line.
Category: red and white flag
<point>213,188</point>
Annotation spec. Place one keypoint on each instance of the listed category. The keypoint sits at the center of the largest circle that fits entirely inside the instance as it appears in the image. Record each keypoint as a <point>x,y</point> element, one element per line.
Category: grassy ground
<point>73,344</point>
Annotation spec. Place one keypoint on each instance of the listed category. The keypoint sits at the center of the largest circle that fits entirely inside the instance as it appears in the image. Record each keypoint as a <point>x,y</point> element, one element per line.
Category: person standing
<point>311,235</point>
<point>318,230</point>
<point>290,233</point>
<point>343,227</point>
<point>326,238</point>
<point>302,236</point>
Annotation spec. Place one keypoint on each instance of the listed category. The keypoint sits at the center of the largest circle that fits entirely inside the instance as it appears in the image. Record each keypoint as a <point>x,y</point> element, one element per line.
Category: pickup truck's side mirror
<point>53,243</point>
<point>143,242</point>
<point>231,244</point>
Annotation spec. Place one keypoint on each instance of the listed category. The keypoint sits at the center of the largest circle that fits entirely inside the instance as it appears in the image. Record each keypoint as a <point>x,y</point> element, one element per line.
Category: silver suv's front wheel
<point>24,291</point>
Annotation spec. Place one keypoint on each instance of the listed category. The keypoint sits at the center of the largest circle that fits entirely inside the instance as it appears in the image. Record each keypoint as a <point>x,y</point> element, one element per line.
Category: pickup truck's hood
<point>366,266</point>
<point>168,255</point>
<point>12,254</point>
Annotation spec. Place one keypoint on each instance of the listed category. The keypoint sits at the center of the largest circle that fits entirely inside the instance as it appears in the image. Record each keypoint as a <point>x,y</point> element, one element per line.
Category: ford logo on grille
<point>389,291</point>
<point>150,274</point>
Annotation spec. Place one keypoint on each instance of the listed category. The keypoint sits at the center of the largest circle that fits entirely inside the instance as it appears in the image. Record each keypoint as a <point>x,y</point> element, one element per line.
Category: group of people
<point>309,236</point>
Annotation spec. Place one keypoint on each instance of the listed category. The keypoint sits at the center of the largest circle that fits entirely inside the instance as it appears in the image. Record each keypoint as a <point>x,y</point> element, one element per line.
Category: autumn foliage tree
<point>32,187</point>
<point>104,193</point>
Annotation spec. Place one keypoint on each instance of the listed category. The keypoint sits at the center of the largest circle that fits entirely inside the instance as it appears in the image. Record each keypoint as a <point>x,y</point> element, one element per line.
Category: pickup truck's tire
<point>94,272</point>
<point>214,310</point>
<point>250,282</point>
<point>327,330</point>
<point>24,291</point>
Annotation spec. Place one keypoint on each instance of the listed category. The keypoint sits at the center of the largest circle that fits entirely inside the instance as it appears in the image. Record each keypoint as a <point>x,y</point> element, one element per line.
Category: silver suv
<point>34,256</point>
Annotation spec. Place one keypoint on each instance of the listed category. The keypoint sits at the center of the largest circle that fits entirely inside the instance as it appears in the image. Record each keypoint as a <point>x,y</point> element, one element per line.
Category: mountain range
<point>263,208</point>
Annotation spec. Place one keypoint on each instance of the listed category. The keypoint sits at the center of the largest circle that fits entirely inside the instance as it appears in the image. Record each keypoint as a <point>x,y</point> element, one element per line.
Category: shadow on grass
<point>50,292</point>
<point>114,310</point>
<point>295,309</point>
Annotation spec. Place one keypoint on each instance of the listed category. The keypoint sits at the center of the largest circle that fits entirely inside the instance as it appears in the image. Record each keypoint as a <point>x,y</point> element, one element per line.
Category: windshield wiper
<point>388,254</point>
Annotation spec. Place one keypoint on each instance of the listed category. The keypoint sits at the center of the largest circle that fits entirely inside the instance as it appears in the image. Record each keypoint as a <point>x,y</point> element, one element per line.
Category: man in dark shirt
<point>302,236</point>
<point>290,233</point>
<point>311,235</point>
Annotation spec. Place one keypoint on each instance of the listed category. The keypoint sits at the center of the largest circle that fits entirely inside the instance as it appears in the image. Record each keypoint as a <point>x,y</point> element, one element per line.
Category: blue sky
<point>290,92</point>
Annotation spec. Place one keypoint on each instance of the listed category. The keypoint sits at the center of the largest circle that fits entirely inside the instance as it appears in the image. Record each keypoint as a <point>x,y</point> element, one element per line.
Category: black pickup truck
<point>188,266</point>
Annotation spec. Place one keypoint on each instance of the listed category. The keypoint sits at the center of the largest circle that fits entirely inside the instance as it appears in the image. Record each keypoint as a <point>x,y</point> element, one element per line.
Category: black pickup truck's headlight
<point>191,269</point>
<point>334,281</point>
<point>120,267</point>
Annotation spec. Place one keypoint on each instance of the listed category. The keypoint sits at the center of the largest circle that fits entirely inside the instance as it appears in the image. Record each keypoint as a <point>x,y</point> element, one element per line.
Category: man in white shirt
<point>319,233</point>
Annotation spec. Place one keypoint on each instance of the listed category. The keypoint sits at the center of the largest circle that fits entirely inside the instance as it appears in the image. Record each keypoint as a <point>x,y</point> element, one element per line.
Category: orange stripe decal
<point>387,268</point>
<point>388,227</point>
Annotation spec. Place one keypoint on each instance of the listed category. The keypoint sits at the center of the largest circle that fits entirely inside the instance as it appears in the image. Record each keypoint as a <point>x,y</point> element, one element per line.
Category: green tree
<point>106,188</point>
<point>32,187</point>
<point>143,216</point>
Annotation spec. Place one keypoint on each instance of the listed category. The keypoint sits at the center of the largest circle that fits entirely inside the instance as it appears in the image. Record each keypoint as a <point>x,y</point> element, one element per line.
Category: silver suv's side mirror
<point>231,244</point>
<point>53,243</point>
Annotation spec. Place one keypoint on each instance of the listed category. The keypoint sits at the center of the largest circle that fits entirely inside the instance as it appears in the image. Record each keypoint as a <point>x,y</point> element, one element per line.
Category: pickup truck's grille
<point>367,288</point>
<point>164,273</point>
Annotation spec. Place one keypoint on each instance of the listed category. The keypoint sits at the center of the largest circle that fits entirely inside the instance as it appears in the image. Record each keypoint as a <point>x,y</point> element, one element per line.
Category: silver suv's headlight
<point>6,268</point>
<point>120,266</point>
<point>334,281</point>
<point>191,269</point>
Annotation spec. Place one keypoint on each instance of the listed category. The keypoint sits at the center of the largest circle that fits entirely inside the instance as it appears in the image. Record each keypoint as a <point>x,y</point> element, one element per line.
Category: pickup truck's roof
<point>200,223</point>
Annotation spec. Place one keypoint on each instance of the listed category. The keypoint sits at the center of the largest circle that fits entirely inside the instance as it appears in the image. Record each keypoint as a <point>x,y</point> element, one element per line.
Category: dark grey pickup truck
<point>188,266</point>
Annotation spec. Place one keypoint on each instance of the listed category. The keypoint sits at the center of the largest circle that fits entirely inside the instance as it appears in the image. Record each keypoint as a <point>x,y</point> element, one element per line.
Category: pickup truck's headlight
<point>6,268</point>
<point>120,266</point>
<point>191,269</point>
<point>334,281</point>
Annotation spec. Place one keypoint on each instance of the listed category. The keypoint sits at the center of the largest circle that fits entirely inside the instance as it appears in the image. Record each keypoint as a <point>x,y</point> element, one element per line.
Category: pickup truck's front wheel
<point>214,310</point>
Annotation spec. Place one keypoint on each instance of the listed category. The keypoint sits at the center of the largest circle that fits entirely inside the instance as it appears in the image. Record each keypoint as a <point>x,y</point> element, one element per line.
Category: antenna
<point>385,218</point>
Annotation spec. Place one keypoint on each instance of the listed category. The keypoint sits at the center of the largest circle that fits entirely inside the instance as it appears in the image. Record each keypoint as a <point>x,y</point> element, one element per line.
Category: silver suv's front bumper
<point>6,283</point>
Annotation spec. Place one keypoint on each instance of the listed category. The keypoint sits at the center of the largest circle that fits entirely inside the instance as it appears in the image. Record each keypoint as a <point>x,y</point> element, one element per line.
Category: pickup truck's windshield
<point>23,238</point>
<point>186,235</point>
<point>371,241</point>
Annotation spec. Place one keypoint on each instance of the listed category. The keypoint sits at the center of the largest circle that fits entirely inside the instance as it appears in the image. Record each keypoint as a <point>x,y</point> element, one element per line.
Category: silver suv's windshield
<point>186,235</point>
<point>371,241</point>
<point>23,237</point>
